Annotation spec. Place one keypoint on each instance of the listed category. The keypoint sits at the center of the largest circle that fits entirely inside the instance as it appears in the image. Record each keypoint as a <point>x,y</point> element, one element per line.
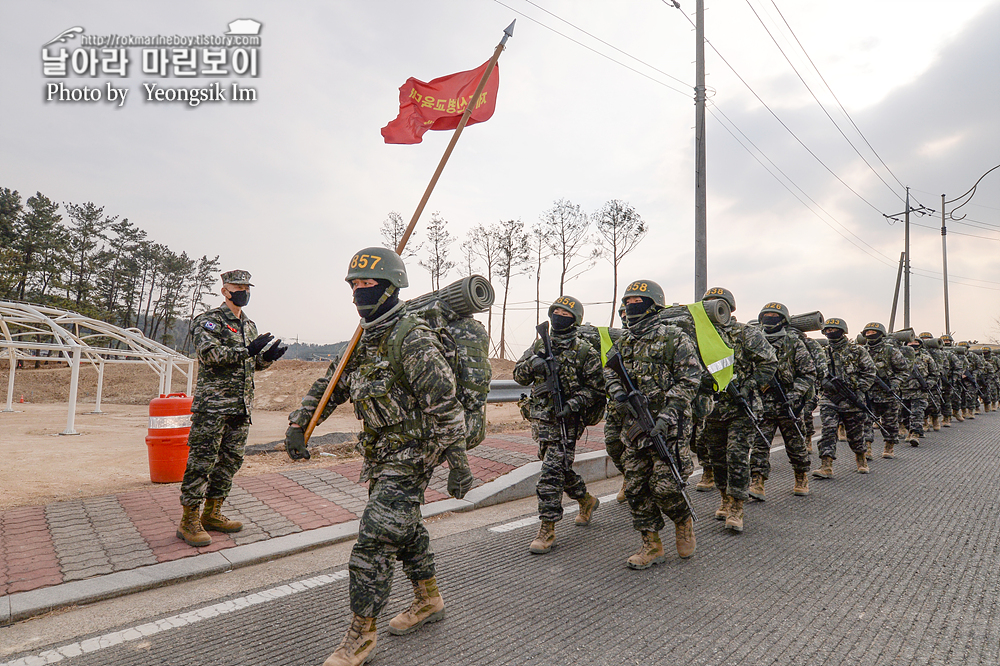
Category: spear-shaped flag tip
<point>508,32</point>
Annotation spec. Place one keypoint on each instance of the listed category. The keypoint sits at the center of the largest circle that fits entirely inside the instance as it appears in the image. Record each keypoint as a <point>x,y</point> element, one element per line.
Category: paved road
<point>899,566</point>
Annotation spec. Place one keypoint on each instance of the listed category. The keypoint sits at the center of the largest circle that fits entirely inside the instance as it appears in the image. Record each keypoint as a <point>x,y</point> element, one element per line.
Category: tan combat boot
<point>358,646</point>
<point>801,484</point>
<point>427,606</point>
<point>734,521</point>
<point>723,511</point>
<point>650,552</point>
<point>756,489</point>
<point>707,481</point>
<point>825,470</point>
<point>862,463</point>
<point>957,413</point>
<point>946,421</point>
<point>587,506</point>
<point>887,450</point>
<point>936,423</point>
<point>841,433</point>
<point>684,537</point>
<point>927,423</point>
<point>212,518</point>
<point>545,540</point>
<point>621,494</point>
<point>913,438</point>
<point>868,452</point>
<point>190,529</point>
<point>970,415</point>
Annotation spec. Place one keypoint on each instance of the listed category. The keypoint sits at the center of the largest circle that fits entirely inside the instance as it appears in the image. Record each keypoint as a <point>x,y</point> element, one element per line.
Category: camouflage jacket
<point>409,421</point>
<point>225,368</point>
<point>852,364</point>
<point>581,375</point>
<point>664,364</point>
<point>978,363</point>
<point>754,365</point>
<point>919,362</point>
<point>796,372</point>
<point>950,365</point>
<point>890,366</point>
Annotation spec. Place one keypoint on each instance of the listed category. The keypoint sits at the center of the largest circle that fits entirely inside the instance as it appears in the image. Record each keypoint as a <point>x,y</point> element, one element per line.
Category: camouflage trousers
<point>650,488</point>
<point>932,406</point>
<point>888,414</point>
<point>971,396</point>
<point>795,445</point>
<point>557,477</point>
<point>391,528</point>
<point>809,429</point>
<point>215,454</point>
<point>854,423</point>
<point>949,400</point>
<point>613,443</point>
<point>728,443</point>
<point>917,404</point>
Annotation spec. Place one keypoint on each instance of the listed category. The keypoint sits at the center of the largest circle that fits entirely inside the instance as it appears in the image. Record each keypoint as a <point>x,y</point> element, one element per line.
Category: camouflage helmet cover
<point>645,289</point>
<point>724,294</point>
<point>377,263</point>
<point>571,305</point>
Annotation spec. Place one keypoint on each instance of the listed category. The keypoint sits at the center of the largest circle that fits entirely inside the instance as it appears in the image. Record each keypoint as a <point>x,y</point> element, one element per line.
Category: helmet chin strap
<point>369,312</point>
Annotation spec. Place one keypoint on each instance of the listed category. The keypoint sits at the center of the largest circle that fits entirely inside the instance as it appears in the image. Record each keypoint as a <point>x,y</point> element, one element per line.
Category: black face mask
<point>874,339</point>
<point>367,300</point>
<point>834,335</point>
<point>239,298</point>
<point>772,322</point>
<point>636,311</point>
<point>561,322</point>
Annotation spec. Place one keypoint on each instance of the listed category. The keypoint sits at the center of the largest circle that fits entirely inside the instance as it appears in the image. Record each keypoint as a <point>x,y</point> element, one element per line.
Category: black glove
<point>666,425</point>
<point>259,343</point>
<point>274,352</point>
<point>295,443</point>
<point>460,477</point>
<point>538,365</point>
<point>570,408</point>
<point>620,396</point>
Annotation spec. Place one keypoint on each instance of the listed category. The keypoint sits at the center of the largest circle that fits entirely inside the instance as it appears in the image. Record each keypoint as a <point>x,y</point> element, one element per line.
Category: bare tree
<point>567,227</point>
<point>514,257</point>
<point>621,229</point>
<point>482,241</point>
<point>540,253</point>
<point>438,242</point>
<point>392,231</point>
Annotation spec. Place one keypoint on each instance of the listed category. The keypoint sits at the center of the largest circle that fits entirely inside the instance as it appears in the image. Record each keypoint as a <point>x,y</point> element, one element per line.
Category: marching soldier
<point>783,401</point>
<point>890,369</point>
<point>581,380</point>
<point>850,373</point>
<point>229,352</point>
<point>664,363</point>
<point>914,394</point>
<point>730,428</point>
<point>412,423</point>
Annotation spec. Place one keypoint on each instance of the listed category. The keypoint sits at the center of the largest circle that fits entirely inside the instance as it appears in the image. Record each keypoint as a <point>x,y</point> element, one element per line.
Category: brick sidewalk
<point>74,540</point>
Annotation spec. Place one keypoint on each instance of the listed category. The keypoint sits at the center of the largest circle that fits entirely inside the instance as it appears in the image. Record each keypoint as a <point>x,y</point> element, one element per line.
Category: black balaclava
<point>239,298</point>
<point>373,302</point>
<point>771,322</point>
<point>636,311</point>
<point>875,338</point>
<point>561,322</point>
<point>834,335</point>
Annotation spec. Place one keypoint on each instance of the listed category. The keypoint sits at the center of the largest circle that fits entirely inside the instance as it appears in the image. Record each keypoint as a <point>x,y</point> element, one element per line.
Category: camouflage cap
<point>236,277</point>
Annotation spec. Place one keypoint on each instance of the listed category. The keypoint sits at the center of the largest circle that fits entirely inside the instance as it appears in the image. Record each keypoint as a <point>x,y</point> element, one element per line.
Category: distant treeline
<point>99,266</point>
<point>307,352</point>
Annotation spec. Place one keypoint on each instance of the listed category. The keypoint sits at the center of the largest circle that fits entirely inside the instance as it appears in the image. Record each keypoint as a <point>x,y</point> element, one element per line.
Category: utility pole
<point>700,199</point>
<point>944,260</point>
<point>895,293</point>
<point>906,266</point>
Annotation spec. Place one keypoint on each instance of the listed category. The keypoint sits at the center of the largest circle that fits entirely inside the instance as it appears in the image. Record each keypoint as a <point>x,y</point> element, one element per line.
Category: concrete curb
<point>517,484</point>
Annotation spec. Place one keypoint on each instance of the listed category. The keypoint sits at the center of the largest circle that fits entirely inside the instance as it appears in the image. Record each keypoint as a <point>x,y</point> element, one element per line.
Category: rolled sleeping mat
<point>861,339</point>
<point>932,343</point>
<point>905,335</point>
<point>717,310</point>
<point>468,296</point>
<point>810,321</point>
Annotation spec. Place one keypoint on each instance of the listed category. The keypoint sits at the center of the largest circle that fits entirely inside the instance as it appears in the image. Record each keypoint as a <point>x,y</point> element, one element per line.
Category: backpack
<point>593,414</point>
<point>466,347</point>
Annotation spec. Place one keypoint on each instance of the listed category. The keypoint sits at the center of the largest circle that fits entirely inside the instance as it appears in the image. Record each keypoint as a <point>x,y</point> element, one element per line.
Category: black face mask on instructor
<point>240,298</point>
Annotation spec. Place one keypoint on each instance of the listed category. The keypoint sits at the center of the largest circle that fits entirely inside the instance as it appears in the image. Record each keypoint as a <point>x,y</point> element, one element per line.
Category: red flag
<point>439,104</point>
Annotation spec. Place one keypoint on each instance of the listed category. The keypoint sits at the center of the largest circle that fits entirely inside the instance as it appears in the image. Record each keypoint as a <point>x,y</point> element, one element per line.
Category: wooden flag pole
<point>352,345</point>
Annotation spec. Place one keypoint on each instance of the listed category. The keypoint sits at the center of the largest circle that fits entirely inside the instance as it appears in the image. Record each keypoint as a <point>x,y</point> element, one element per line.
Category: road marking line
<point>183,619</point>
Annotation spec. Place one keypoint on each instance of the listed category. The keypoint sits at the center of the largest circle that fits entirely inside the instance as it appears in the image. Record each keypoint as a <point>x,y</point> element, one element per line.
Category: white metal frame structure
<point>27,329</point>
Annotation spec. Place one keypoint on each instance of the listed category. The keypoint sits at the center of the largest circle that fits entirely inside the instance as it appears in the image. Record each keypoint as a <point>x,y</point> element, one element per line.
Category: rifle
<point>787,404</point>
<point>839,387</point>
<point>926,389</point>
<point>553,387</point>
<point>734,393</point>
<point>885,387</point>
<point>640,409</point>
<point>972,378</point>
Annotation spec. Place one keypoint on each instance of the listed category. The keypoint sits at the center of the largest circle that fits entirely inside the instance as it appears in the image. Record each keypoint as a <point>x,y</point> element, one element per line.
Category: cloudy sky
<point>595,104</point>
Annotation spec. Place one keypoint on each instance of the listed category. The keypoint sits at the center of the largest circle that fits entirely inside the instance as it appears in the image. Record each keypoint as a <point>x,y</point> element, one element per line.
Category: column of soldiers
<point>664,400</point>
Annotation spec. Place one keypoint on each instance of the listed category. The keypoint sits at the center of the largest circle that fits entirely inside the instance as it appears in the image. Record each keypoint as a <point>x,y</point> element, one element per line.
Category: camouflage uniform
<point>409,423</point>
<point>852,364</point>
<point>890,367</point>
<point>984,376</point>
<point>223,398</point>
<point>665,366</point>
<point>974,364</point>
<point>797,375</point>
<point>581,378</point>
<point>951,378</point>
<point>812,397</point>
<point>729,432</point>
<point>913,394</point>
<point>933,378</point>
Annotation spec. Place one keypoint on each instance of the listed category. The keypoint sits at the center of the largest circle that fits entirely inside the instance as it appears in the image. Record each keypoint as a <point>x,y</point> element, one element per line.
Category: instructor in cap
<point>229,351</point>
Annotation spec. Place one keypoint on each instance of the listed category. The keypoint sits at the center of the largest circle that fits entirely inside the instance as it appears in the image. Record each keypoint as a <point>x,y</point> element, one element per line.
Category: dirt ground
<point>109,455</point>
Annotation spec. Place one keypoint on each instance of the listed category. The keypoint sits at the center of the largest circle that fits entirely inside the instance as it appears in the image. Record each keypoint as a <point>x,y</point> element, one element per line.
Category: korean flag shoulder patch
<point>211,325</point>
